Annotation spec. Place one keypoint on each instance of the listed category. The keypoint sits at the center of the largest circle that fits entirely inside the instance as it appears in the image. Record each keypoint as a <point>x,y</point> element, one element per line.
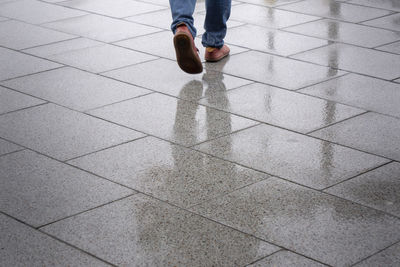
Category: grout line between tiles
<point>395,243</point>
<point>12,152</point>
<point>110,147</point>
<point>58,239</point>
<point>359,174</point>
<point>20,109</point>
<point>88,210</point>
<point>337,122</point>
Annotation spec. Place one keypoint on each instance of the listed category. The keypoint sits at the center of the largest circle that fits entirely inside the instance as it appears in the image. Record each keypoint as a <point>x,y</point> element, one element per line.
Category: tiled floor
<point>286,153</point>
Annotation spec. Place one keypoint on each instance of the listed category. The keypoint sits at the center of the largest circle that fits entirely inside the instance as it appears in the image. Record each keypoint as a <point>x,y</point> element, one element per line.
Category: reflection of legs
<point>182,11</point>
<point>218,12</point>
<point>185,127</point>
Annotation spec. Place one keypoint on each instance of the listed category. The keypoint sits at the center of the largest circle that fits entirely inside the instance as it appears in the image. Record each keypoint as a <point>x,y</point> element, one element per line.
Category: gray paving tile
<point>280,107</point>
<point>296,157</point>
<point>370,132</point>
<point>14,64</point>
<point>278,71</point>
<point>11,100</point>
<point>101,58</point>
<point>271,41</point>
<point>385,4</point>
<point>37,12</point>
<point>7,147</point>
<point>356,59</point>
<point>173,119</point>
<point>306,221</point>
<point>19,35</point>
<point>101,28</point>
<point>161,44</point>
<point>61,133</point>
<point>286,258</point>
<point>336,10</point>
<point>24,246</point>
<point>38,190</point>
<point>390,257</point>
<point>392,48</point>
<point>397,81</point>
<point>191,87</point>
<point>75,89</point>
<point>163,19</point>
<point>268,17</point>
<point>163,2</point>
<point>62,47</point>
<point>169,172</point>
<point>379,189</point>
<point>113,8</point>
<point>391,22</point>
<point>153,233</point>
<point>268,3</point>
<point>346,33</point>
<point>360,91</point>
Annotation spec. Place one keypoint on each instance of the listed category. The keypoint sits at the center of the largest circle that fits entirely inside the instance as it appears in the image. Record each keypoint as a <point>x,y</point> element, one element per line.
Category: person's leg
<point>182,12</point>
<point>218,12</point>
<point>184,33</point>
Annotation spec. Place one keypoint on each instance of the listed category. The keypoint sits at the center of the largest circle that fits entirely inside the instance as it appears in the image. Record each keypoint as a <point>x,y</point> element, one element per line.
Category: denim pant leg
<point>218,12</point>
<point>182,11</point>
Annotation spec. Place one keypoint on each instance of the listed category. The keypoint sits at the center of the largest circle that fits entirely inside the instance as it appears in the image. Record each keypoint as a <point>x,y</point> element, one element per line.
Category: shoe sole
<point>216,59</point>
<point>187,58</point>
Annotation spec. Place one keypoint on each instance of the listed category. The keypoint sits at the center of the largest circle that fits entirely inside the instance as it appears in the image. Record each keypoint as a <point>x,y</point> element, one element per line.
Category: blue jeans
<point>218,12</point>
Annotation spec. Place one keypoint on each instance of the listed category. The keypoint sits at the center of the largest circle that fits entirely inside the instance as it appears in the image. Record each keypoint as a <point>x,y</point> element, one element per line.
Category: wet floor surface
<point>286,153</point>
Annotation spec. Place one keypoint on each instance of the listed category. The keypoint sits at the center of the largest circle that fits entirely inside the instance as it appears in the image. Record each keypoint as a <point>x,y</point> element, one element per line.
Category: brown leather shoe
<point>186,51</point>
<point>216,54</point>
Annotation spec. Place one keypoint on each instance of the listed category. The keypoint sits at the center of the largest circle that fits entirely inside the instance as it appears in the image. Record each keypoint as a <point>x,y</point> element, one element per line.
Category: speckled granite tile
<point>277,71</point>
<point>384,4</point>
<point>169,172</point>
<point>286,258</point>
<point>305,221</point>
<point>37,12</point>
<point>14,64</point>
<point>336,10</point>
<point>75,88</point>
<point>24,246</point>
<point>20,35</point>
<point>11,100</point>
<point>38,190</point>
<point>392,48</point>
<point>391,22</point>
<point>355,59</point>
<point>389,257</point>
<point>370,132</point>
<point>268,17</point>
<point>270,3</point>
<point>280,107</point>
<point>101,58</point>
<point>271,41</point>
<point>113,8</point>
<point>296,157</point>
<point>176,120</point>
<point>60,132</point>
<point>101,28</point>
<point>344,32</point>
<point>141,231</point>
<point>62,47</point>
<point>7,147</point>
<point>360,91</point>
<point>184,86</point>
<point>379,188</point>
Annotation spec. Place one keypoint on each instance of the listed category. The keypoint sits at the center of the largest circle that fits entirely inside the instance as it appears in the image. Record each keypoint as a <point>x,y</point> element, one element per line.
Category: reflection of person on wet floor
<point>217,14</point>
